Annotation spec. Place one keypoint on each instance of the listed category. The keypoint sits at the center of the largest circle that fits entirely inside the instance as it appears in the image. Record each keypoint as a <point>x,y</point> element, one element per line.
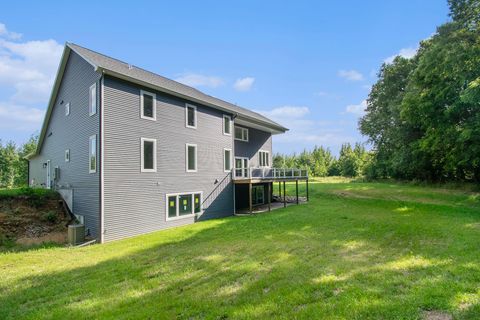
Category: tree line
<point>351,162</point>
<point>423,114</point>
<point>13,165</point>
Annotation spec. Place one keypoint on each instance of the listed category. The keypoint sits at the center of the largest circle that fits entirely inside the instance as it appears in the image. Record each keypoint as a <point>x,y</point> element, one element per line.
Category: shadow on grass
<point>303,262</point>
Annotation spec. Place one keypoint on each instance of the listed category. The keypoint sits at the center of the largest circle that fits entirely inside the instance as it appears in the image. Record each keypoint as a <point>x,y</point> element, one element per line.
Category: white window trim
<point>142,169</point>
<point>177,196</point>
<point>260,158</point>
<point>243,130</point>
<point>187,105</point>
<point>67,155</point>
<point>231,166</point>
<point>90,112</point>
<point>225,116</point>
<point>92,137</point>
<point>186,157</point>
<point>67,109</point>
<point>154,97</point>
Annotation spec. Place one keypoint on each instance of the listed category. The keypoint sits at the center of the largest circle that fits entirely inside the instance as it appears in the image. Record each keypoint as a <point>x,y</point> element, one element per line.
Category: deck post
<point>279,189</point>
<point>296,189</point>
<point>269,197</point>
<point>284,195</point>
<point>250,206</point>
<point>306,181</point>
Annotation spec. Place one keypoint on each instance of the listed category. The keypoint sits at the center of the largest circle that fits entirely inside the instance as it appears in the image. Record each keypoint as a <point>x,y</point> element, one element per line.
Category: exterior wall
<point>72,132</point>
<point>134,201</point>
<point>257,140</point>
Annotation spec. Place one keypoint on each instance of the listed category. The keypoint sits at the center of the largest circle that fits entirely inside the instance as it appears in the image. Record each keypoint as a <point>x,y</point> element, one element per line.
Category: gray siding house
<point>135,152</point>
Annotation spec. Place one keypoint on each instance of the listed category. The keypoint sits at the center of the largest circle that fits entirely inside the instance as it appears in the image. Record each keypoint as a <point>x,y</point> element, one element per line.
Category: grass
<point>356,251</point>
<point>6,193</point>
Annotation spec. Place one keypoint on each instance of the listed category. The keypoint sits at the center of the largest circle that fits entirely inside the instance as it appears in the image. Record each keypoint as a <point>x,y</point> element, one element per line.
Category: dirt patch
<point>436,315</point>
<point>27,220</point>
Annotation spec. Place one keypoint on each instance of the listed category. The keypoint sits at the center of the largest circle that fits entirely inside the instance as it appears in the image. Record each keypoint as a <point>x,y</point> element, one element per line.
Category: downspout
<point>233,165</point>
<point>101,129</point>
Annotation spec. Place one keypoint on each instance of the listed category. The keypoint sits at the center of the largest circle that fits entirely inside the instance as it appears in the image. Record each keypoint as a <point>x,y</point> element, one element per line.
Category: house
<point>134,152</point>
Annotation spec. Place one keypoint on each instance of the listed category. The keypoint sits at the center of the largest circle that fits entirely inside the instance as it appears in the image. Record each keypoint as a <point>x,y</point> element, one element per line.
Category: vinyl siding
<point>73,132</point>
<point>258,140</point>
<point>135,201</point>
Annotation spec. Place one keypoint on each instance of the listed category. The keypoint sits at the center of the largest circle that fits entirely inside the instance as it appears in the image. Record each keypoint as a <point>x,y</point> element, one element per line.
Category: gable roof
<point>125,71</point>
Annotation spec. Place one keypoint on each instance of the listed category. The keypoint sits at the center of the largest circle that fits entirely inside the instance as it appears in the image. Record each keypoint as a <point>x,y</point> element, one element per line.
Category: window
<point>67,109</point>
<point>182,205</point>
<point>227,160</point>
<point>191,116</point>
<point>241,134</point>
<point>92,167</point>
<point>227,125</point>
<point>148,108</point>
<point>67,155</point>
<point>172,206</point>
<point>191,157</point>
<point>148,154</point>
<point>92,100</point>
<point>264,158</point>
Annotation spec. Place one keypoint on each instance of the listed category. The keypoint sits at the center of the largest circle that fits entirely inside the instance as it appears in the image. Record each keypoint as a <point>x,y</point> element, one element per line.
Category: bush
<point>50,216</point>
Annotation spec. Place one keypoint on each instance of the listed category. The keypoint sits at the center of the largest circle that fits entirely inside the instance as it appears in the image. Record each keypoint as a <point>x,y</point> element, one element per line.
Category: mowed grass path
<point>356,251</point>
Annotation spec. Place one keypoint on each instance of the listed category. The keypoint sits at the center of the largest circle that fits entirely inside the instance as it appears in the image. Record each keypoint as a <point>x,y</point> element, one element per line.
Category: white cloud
<point>286,113</point>
<point>357,109</point>
<point>244,84</point>
<point>29,67</point>
<point>405,52</point>
<point>27,72</point>
<point>4,32</point>
<point>21,118</point>
<point>351,75</point>
<point>199,80</point>
<point>305,131</point>
<point>321,94</point>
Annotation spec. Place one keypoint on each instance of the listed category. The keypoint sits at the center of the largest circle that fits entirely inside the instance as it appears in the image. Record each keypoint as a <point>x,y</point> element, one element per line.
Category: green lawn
<point>356,251</point>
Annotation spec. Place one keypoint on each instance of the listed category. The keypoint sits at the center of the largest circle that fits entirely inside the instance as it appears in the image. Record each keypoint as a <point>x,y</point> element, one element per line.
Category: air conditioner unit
<point>76,234</point>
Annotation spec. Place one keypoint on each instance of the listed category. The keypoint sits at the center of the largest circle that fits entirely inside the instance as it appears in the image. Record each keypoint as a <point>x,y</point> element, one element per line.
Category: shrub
<point>50,216</point>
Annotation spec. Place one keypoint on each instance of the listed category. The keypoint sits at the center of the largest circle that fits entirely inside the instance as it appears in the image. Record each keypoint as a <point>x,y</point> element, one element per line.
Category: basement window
<point>183,205</point>
<point>148,109</point>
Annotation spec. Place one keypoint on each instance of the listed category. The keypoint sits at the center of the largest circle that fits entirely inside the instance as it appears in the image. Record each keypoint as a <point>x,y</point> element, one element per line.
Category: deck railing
<point>269,173</point>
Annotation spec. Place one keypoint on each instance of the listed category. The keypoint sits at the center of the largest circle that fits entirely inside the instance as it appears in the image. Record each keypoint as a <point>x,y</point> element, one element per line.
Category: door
<point>49,175</point>
<point>241,167</point>
<point>258,195</point>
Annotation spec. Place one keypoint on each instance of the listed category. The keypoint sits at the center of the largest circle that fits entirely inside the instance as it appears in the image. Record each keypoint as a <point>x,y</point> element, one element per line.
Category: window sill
<point>183,217</point>
<point>148,118</point>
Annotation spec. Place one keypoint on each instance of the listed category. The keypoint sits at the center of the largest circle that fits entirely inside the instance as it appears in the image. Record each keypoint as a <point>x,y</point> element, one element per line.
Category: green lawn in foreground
<point>356,251</point>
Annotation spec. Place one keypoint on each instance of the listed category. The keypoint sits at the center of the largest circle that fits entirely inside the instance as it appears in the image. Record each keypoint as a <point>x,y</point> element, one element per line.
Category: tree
<point>423,114</point>
<point>13,166</point>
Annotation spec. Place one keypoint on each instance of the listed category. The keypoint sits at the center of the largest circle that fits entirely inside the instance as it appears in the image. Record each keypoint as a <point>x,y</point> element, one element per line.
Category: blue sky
<point>307,64</point>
